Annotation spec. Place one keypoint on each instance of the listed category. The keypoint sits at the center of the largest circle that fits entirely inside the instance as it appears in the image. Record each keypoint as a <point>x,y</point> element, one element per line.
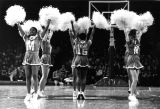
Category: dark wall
<point>150,40</point>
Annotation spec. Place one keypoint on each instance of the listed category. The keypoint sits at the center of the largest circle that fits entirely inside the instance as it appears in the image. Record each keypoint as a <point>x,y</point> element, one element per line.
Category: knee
<point>74,78</point>
<point>77,79</point>
<point>45,76</point>
<point>84,81</point>
<point>35,76</point>
<point>28,77</point>
<point>135,80</point>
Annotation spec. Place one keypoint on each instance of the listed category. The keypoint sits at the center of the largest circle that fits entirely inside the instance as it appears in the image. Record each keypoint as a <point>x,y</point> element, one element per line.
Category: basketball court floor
<point>60,97</point>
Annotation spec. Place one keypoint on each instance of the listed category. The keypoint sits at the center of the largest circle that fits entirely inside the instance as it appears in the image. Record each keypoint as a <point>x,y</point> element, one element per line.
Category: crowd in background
<point>11,68</point>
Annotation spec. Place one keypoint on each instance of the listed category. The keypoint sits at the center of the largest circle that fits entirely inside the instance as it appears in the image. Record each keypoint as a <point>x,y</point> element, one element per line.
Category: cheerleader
<point>45,61</point>
<point>125,60</point>
<point>31,60</point>
<point>73,37</point>
<point>81,63</point>
<point>133,64</point>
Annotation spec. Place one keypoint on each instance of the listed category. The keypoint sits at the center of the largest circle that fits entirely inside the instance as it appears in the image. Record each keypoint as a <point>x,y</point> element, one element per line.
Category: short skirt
<point>80,61</point>
<point>31,58</point>
<point>46,59</point>
<point>133,62</point>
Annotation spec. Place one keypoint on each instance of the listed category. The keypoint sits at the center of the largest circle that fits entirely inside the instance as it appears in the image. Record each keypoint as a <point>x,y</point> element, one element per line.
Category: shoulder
<point>25,36</point>
<point>39,37</point>
<point>89,41</point>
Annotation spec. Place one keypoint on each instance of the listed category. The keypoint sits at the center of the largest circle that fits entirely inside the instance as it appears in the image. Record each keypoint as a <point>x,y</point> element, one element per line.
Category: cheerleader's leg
<point>43,81</point>
<point>35,69</point>
<point>129,80</point>
<point>83,78</point>
<point>28,74</point>
<point>134,81</point>
<point>78,78</point>
<point>74,78</point>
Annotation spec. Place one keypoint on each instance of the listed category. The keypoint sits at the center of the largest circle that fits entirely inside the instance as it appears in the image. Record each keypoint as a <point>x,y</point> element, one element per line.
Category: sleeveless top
<point>133,47</point>
<point>82,47</point>
<point>32,45</point>
<point>46,47</point>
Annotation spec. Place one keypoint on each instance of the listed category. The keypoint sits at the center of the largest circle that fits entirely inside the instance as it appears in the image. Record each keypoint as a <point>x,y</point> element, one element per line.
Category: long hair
<point>82,36</point>
<point>132,34</point>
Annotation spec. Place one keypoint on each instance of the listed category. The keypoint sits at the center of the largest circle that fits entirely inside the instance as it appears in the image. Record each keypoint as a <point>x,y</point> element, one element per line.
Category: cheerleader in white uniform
<point>73,36</point>
<point>31,60</point>
<point>45,61</point>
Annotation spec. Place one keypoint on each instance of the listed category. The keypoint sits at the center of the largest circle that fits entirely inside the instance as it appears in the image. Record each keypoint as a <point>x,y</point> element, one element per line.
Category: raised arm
<point>73,30</point>
<point>139,34</point>
<point>92,33</point>
<point>45,30</point>
<point>126,32</point>
<point>20,29</point>
<point>71,36</point>
<point>48,35</point>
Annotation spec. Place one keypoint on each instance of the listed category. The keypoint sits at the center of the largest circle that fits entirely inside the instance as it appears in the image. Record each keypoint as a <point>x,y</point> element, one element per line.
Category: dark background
<point>62,51</point>
<point>9,35</point>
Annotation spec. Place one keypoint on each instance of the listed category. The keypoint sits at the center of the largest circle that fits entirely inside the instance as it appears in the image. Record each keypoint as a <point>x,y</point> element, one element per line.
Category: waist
<point>46,53</point>
<point>81,54</point>
<point>134,54</point>
<point>32,52</point>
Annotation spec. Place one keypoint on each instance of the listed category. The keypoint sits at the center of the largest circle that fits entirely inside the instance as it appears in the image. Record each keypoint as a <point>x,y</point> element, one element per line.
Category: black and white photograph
<point>79,54</point>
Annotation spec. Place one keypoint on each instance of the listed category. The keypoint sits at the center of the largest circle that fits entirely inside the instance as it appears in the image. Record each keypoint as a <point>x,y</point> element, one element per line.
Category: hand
<point>49,20</point>
<point>19,23</point>
<point>71,21</point>
<point>92,23</point>
<point>38,31</point>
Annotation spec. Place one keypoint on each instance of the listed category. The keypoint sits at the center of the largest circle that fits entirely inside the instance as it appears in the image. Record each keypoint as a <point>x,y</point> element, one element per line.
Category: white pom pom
<point>84,24</point>
<point>76,27</point>
<point>123,18</point>
<point>147,18</point>
<point>65,21</point>
<point>29,23</point>
<point>100,21</point>
<point>142,22</point>
<point>51,13</point>
<point>137,23</point>
<point>15,14</point>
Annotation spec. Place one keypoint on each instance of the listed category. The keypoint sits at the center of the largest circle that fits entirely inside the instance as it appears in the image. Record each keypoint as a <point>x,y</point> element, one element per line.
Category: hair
<point>34,28</point>
<point>132,34</point>
<point>82,36</point>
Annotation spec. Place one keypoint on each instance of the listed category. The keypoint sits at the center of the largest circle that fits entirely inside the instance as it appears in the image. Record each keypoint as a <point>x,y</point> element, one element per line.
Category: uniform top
<point>46,47</point>
<point>82,47</point>
<point>133,47</point>
<point>33,43</point>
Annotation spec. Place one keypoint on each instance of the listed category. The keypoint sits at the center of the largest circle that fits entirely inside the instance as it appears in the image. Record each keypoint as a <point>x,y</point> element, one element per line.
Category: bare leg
<point>83,78</point>
<point>43,81</point>
<point>74,78</point>
<point>35,77</point>
<point>78,79</point>
<point>134,81</point>
<point>129,78</point>
<point>28,74</point>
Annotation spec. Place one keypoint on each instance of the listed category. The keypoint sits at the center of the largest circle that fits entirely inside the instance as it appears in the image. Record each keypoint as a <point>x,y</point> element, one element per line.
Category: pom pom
<point>123,18</point>
<point>84,24</point>
<point>65,21</point>
<point>15,14</point>
<point>29,23</point>
<point>143,21</point>
<point>76,27</point>
<point>147,18</point>
<point>51,13</point>
<point>137,23</point>
<point>100,21</point>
